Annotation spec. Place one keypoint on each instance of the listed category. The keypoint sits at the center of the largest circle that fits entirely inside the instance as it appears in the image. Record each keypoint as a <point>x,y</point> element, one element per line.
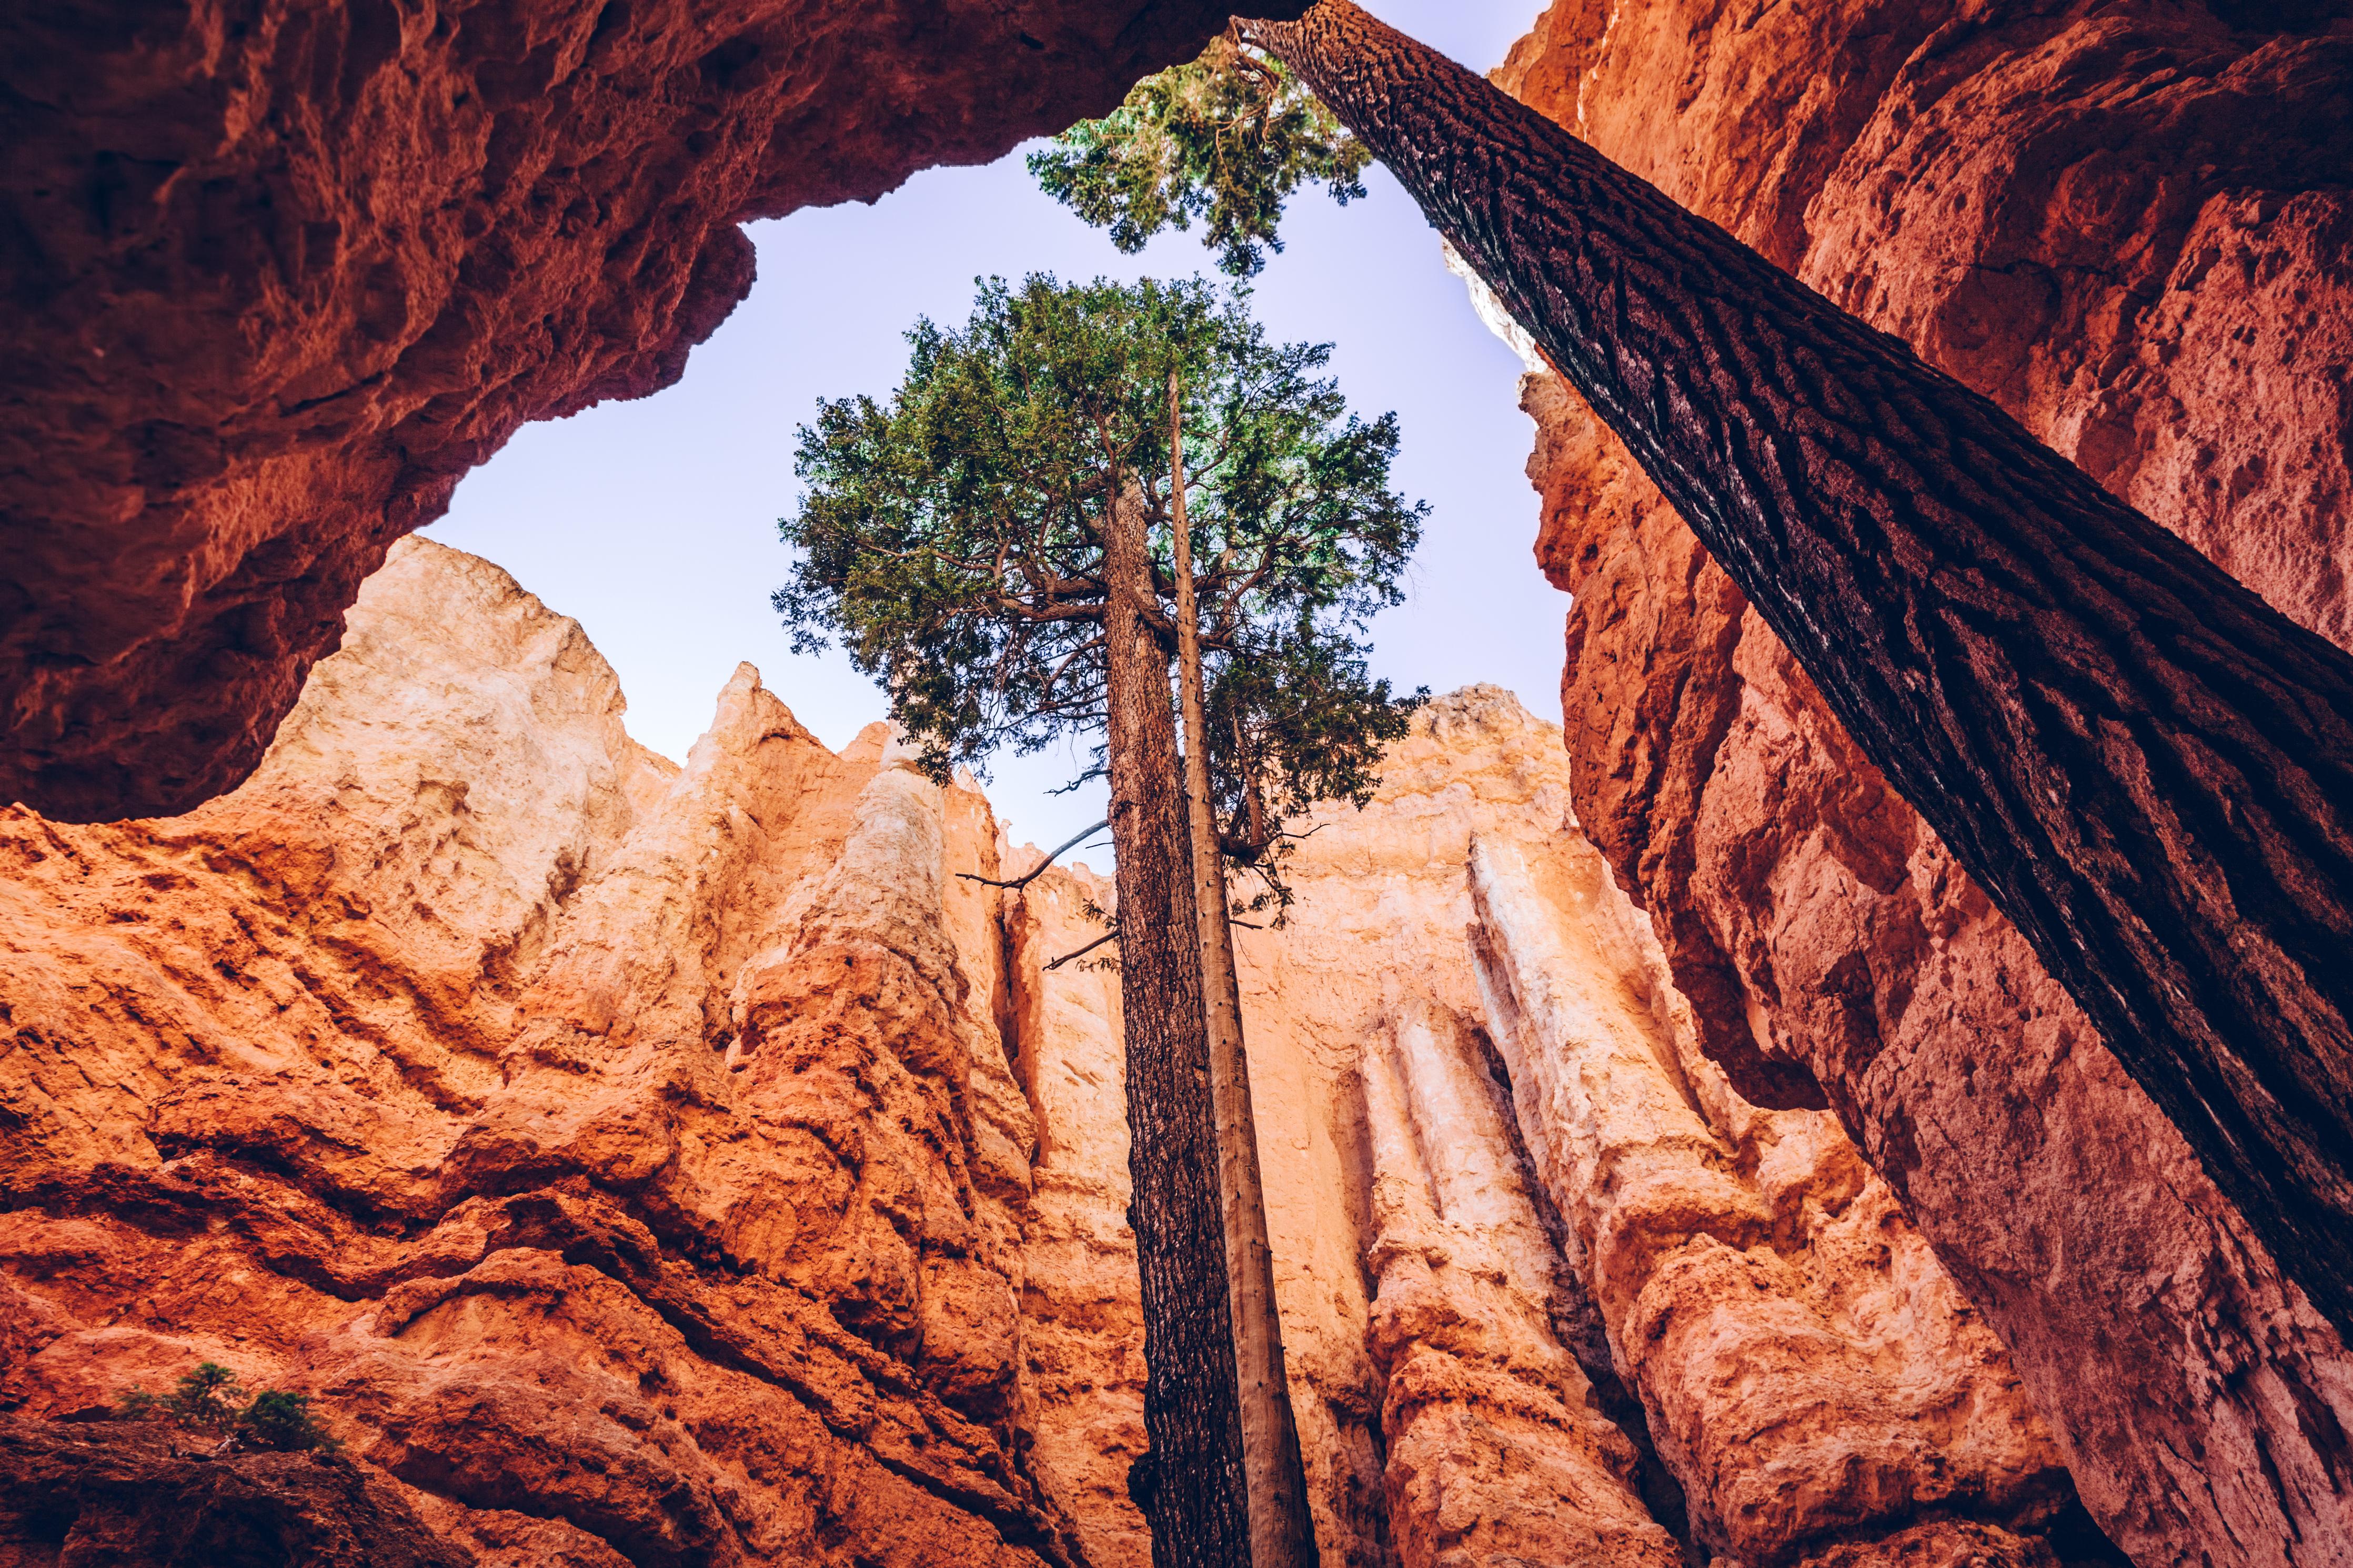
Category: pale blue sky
<point>653,522</point>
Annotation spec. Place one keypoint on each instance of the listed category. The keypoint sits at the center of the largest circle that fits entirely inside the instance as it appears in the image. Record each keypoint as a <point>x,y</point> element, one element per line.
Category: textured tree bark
<point>1191,1489</point>
<point>2148,769</point>
<point>1282,1531</point>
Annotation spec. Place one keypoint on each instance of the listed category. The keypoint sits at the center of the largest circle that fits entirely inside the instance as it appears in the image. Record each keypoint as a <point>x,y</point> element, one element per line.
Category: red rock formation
<point>2128,224</point>
<point>625,1156</point>
<point>1807,1370</point>
<point>1498,1450</point>
<point>1813,1376</point>
<point>280,274</point>
<point>1081,1304</point>
<point>682,1166</point>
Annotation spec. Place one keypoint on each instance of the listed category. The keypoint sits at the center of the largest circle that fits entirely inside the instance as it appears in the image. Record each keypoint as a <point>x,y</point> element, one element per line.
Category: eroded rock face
<point>1800,1362</point>
<point>2127,225</point>
<point>282,273</point>
<point>1811,1373</point>
<point>1082,1306</point>
<point>625,1155</point>
<point>668,1165</point>
<point>1498,1450</point>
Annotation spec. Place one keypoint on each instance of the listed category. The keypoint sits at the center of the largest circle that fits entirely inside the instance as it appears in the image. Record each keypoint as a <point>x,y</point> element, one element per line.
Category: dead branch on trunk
<point>1038,871</point>
<point>1110,935</point>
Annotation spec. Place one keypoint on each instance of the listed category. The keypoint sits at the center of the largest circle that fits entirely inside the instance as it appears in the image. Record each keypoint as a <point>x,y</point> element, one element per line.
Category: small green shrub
<point>206,1401</point>
<point>281,1421</point>
<point>203,1401</point>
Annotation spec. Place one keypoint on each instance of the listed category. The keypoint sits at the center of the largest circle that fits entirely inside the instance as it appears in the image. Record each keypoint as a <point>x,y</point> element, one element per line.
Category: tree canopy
<point>1226,139</point>
<point>952,538</point>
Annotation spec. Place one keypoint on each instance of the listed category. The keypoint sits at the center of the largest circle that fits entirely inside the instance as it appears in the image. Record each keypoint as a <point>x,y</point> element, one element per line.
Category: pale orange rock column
<point>1811,1372</point>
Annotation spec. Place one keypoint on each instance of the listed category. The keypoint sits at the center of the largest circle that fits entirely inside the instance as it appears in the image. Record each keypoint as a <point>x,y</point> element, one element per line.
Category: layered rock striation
<point>1082,1304</point>
<point>281,274</point>
<point>1730,1329</point>
<point>691,1165</point>
<point>1498,1448</point>
<point>2128,225</point>
<point>1813,1375</point>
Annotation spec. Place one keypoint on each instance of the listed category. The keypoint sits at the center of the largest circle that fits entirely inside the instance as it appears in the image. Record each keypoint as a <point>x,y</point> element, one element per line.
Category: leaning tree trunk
<point>1282,1531</point>
<point>2148,769</point>
<point>1190,1484</point>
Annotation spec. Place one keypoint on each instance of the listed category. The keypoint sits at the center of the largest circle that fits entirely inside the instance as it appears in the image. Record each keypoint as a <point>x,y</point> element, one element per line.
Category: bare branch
<point>1040,868</point>
<point>1068,659</point>
<point>1019,610</point>
<point>1110,935</point>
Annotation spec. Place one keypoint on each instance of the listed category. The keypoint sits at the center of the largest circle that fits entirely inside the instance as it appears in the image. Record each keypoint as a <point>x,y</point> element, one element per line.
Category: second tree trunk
<point>1282,1532</point>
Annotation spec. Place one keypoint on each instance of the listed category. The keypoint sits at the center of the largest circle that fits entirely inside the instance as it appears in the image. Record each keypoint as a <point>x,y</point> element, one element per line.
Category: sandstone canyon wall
<point>658,1164</point>
<point>626,1153</point>
<point>276,275</point>
<point>686,1165</point>
<point>1808,1378</point>
<point>2130,224</point>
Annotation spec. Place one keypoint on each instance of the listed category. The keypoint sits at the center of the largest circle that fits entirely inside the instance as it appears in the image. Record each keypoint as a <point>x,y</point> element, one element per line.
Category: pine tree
<point>995,544</point>
<point>206,1400</point>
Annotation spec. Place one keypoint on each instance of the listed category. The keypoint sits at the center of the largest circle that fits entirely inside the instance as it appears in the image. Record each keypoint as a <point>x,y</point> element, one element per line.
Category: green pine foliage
<point>1226,139</point>
<point>951,538</point>
<point>1297,726</point>
<point>210,1400</point>
<point>282,1422</point>
<point>203,1401</point>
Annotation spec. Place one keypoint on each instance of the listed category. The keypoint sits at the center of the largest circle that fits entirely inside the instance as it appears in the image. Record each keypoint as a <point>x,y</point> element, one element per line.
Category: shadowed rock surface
<point>276,275</point>
<point>2128,225</point>
<point>130,1497</point>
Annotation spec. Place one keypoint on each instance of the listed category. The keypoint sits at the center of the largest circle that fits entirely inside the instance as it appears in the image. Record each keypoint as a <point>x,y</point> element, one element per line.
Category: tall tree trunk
<point>1191,1485</point>
<point>2148,769</point>
<point>1282,1531</point>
